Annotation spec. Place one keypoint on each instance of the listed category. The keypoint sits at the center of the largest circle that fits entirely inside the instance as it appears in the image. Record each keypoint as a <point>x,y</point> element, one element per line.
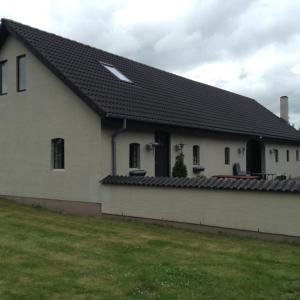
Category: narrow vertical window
<point>134,155</point>
<point>297,155</point>
<point>276,155</point>
<point>3,77</point>
<point>196,155</point>
<point>227,156</point>
<point>287,155</point>
<point>21,73</point>
<point>58,153</point>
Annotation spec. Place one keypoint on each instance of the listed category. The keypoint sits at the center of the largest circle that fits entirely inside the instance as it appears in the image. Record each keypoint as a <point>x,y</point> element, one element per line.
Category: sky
<point>250,47</point>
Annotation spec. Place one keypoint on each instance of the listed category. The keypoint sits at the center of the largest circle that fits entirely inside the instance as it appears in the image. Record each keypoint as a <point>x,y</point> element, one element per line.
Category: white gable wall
<point>28,122</point>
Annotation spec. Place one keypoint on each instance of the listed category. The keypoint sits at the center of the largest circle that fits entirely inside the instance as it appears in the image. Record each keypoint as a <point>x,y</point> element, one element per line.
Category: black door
<point>162,154</point>
<point>254,153</point>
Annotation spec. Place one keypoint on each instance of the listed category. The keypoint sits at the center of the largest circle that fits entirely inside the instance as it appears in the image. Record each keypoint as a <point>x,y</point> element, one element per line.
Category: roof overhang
<point>222,131</point>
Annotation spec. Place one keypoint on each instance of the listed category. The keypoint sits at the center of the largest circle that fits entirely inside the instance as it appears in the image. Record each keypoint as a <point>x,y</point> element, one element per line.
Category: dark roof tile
<point>155,95</point>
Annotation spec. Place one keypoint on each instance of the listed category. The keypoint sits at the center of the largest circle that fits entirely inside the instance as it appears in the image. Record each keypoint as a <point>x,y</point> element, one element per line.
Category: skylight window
<point>116,72</point>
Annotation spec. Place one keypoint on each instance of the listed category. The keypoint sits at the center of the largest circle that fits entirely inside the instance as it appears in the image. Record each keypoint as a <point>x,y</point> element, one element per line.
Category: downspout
<point>113,146</point>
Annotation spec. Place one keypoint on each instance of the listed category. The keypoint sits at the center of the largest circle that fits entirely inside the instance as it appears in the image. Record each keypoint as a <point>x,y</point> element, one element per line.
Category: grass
<point>45,255</point>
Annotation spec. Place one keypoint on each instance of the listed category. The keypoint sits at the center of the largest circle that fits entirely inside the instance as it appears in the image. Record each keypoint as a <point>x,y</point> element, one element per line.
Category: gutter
<point>113,146</point>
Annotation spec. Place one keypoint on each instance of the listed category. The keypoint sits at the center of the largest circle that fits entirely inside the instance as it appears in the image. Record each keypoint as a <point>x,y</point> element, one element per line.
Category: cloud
<point>249,47</point>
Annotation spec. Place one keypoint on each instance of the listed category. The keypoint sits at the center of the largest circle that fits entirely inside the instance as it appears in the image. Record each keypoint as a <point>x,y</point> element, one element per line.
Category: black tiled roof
<point>155,96</point>
<point>289,186</point>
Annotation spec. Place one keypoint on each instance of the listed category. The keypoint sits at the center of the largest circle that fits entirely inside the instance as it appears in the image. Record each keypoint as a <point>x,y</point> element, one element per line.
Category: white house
<point>72,114</point>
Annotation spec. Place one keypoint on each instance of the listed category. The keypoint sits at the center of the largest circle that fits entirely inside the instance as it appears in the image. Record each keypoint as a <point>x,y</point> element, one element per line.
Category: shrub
<point>179,169</point>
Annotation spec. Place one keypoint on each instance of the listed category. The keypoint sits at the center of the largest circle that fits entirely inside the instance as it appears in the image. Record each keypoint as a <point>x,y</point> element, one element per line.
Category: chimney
<point>284,108</point>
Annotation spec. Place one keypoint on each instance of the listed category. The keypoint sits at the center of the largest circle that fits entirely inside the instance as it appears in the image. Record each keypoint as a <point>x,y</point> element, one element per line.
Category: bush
<point>179,169</point>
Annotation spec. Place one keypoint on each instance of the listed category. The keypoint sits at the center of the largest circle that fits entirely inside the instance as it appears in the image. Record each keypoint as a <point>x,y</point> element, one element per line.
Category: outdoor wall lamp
<point>179,147</point>
<point>151,146</point>
<point>241,150</point>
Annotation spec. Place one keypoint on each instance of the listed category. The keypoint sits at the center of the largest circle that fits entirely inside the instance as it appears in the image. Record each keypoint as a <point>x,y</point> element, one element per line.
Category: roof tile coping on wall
<point>289,185</point>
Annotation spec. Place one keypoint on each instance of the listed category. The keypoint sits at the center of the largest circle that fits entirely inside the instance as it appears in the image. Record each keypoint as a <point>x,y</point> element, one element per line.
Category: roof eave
<point>217,130</point>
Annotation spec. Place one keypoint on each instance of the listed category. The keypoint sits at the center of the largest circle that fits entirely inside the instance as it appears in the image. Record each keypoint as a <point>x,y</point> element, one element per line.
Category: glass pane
<point>3,79</point>
<point>21,73</point>
<point>227,156</point>
<point>195,155</point>
<point>276,155</point>
<point>117,73</point>
<point>58,153</point>
<point>134,155</point>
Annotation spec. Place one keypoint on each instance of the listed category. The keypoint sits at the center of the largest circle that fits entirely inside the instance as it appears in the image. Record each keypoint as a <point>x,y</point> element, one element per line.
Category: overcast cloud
<point>248,47</point>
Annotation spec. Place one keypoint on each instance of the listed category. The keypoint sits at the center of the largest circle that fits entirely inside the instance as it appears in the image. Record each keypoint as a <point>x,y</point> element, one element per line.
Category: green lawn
<point>45,255</point>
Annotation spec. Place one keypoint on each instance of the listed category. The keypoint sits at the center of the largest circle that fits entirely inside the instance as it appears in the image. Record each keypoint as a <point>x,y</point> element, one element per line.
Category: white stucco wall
<point>212,155</point>
<point>28,122</point>
<point>268,212</point>
<point>211,151</point>
<point>123,140</point>
<point>291,168</point>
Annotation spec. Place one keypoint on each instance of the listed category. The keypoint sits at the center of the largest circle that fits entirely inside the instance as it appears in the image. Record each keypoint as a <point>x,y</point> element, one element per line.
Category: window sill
<point>20,91</point>
<point>198,169</point>
<point>58,170</point>
<point>137,172</point>
<point>3,94</point>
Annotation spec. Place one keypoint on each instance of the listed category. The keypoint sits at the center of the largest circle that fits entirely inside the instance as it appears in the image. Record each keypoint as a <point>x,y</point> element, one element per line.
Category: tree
<point>179,169</point>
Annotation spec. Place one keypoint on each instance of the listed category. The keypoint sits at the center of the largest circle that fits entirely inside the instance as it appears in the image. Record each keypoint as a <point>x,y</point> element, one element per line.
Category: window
<point>287,155</point>
<point>196,155</point>
<point>297,155</point>
<point>276,154</point>
<point>116,72</point>
<point>3,77</point>
<point>58,153</point>
<point>21,73</point>
<point>134,155</point>
<point>227,156</point>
